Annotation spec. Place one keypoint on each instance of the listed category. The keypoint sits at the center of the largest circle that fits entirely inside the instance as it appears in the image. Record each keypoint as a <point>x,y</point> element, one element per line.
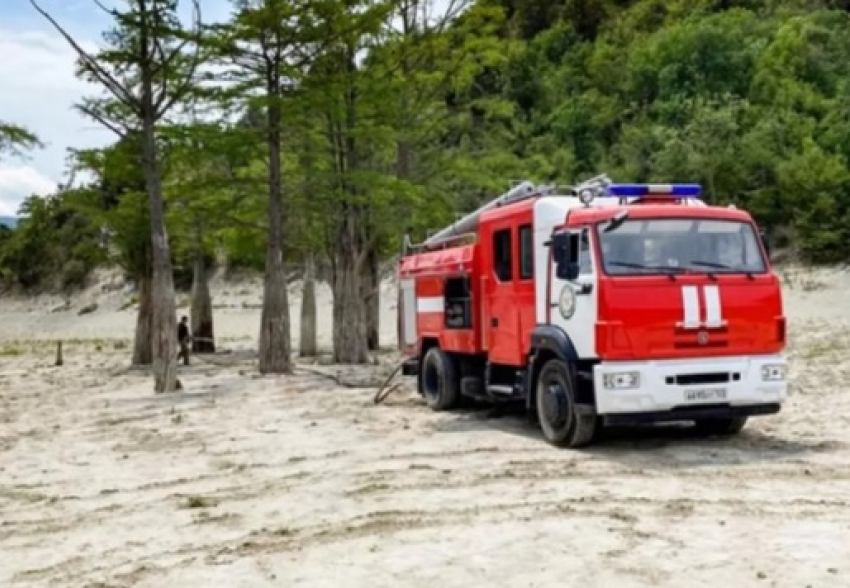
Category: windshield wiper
<point>666,269</point>
<point>616,221</point>
<point>722,266</point>
<point>711,264</point>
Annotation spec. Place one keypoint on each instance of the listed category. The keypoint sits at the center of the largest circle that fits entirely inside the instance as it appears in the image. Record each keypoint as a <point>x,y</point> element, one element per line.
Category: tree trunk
<point>164,320</point>
<point>307,344</point>
<point>372,295</point>
<point>350,314</point>
<point>350,310</point>
<point>143,343</point>
<point>404,155</point>
<point>202,315</point>
<point>275,344</point>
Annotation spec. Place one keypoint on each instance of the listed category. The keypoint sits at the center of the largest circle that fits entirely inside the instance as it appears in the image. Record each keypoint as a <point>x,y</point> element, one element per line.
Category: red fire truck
<point>599,304</point>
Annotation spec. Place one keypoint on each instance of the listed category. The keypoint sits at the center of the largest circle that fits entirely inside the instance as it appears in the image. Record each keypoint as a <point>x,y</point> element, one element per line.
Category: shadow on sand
<point>676,445</point>
<point>196,394</point>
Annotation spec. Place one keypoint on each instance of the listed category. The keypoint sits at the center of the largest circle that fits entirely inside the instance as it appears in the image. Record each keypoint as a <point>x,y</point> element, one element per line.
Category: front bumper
<point>698,386</point>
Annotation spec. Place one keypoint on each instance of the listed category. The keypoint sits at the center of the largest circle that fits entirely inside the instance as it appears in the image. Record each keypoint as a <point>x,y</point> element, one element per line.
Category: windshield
<point>652,246</point>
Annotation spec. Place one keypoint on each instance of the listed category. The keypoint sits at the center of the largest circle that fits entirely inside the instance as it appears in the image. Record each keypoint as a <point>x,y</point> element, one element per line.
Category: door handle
<point>580,290</point>
<point>494,322</point>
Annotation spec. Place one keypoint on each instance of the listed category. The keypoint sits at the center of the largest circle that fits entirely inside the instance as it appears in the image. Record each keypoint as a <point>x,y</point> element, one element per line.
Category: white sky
<point>38,88</point>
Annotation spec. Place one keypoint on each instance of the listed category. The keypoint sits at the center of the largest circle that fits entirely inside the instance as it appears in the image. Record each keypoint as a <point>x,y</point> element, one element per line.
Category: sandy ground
<point>250,481</point>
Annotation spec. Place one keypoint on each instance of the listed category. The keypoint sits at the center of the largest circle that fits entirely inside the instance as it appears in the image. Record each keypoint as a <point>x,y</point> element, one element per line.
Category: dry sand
<point>249,481</point>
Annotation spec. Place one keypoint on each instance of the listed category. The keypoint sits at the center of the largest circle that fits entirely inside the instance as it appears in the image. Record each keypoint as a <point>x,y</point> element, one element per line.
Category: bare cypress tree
<point>148,71</point>
<point>202,314</point>
<point>307,344</point>
<point>338,89</point>
<point>266,44</point>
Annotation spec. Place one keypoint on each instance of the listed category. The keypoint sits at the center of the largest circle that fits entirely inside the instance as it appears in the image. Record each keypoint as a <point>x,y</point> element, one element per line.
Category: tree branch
<point>112,127</point>
<point>163,104</point>
<point>105,78</point>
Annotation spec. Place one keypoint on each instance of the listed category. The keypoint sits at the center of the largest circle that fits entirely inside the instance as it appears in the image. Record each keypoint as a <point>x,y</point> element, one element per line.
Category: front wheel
<point>438,380</point>
<point>727,426</point>
<point>562,424</point>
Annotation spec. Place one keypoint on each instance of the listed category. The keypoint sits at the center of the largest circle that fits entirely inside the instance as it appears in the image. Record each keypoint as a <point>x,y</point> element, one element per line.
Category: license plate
<point>705,394</point>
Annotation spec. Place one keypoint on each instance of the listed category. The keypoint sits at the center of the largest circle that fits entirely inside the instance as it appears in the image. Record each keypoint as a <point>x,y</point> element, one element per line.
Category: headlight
<point>773,373</point>
<point>567,302</point>
<point>621,380</point>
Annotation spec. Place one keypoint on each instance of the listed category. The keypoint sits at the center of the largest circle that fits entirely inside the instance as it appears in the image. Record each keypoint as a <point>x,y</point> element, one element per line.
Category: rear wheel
<point>562,422</point>
<point>438,380</point>
<point>727,426</point>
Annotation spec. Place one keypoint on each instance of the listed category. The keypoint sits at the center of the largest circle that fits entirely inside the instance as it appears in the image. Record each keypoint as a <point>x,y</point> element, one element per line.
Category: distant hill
<point>9,221</point>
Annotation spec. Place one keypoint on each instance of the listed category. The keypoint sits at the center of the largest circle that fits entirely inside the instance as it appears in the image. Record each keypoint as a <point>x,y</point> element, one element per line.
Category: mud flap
<point>410,367</point>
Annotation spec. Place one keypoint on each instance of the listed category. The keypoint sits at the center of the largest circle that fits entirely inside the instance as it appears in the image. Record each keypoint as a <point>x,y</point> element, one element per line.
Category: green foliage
<point>117,203</point>
<point>15,140</point>
<point>407,123</point>
<point>53,246</point>
<point>214,194</point>
<point>748,98</point>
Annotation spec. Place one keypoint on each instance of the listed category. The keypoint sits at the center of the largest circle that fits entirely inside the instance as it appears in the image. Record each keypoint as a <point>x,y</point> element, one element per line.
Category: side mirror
<point>565,254</point>
<point>567,271</point>
<point>560,247</point>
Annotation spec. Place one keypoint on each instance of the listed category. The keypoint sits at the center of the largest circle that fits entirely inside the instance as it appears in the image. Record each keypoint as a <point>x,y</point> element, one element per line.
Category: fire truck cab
<point>612,304</point>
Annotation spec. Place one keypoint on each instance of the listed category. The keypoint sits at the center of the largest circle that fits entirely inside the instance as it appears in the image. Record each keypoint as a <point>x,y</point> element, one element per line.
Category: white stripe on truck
<point>691,307</point>
<point>713,318</point>
<point>690,304</point>
<point>430,304</point>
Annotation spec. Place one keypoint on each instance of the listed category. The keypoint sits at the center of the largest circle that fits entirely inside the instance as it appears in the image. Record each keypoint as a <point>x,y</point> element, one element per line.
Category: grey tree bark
<point>350,312</point>
<point>201,314</point>
<point>372,294</point>
<point>307,343</point>
<point>352,241</point>
<point>164,319</point>
<point>275,339</point>
<point>143,343</point>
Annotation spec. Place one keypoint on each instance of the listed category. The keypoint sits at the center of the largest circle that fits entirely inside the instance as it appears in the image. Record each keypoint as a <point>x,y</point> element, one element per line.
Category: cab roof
<point>602,209</point>
<point>594,214</point>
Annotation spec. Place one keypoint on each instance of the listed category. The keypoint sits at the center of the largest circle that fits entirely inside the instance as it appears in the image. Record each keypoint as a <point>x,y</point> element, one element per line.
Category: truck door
<point>503,312</point>
<point>575,303</point>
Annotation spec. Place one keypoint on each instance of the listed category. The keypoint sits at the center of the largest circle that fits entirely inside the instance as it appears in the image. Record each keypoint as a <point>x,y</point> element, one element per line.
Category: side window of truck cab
<point>585,258</point>
<point>526,252</point>
<point>502,259</point>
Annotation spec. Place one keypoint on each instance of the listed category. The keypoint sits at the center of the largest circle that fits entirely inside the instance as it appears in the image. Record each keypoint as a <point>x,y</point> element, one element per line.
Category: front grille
<point>697,345</point>
<point>706,378</point>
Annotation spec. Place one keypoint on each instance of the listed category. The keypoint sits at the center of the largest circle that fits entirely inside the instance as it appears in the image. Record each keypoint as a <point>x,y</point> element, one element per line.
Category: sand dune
<point>301,481</point>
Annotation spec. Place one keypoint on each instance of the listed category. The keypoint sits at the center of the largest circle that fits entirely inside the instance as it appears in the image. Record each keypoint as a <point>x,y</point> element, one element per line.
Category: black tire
<point>727,426</point>
<point>438,382</point>
<point>561,423</point>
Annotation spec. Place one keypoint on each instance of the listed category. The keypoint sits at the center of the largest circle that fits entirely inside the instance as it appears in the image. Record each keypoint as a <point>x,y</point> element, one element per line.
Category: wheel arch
<point>547,342</point>
<point>425,344</point>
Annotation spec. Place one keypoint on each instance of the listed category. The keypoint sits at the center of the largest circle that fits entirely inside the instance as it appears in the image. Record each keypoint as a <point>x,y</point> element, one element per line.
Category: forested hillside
<point>353,122</point>
<point>750,98</point>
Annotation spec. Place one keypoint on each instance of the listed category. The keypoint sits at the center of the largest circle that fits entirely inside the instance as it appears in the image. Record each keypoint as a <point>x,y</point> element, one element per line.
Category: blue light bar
<point>673,190</point>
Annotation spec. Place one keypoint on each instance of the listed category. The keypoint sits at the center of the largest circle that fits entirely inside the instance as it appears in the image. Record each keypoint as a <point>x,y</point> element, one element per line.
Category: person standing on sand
<point>183,340</point>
